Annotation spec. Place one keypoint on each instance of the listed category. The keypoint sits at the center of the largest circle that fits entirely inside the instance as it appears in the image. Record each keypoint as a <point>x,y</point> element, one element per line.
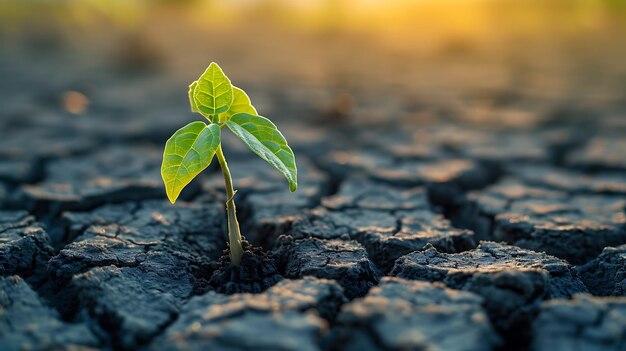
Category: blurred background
<point>478,60</point>
<point>490,80</point>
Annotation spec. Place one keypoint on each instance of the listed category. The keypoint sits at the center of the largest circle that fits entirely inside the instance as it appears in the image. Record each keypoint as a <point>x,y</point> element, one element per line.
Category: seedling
<point>190,150</point>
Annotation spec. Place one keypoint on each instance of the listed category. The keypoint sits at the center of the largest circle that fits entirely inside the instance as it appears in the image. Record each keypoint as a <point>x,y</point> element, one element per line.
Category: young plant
<point>190,150</point>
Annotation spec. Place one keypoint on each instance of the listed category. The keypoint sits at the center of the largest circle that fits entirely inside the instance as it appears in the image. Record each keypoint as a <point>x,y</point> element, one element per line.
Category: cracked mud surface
<point>434,232</point>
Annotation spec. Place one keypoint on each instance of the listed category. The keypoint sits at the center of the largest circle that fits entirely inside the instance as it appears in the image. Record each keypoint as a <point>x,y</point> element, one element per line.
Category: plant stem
<point>234,234</point>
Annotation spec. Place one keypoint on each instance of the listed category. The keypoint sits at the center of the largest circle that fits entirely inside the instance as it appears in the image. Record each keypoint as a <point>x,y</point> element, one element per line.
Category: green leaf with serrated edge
<point>264,139</point>
<point>241,103</point>
<point>214,93</point>
<point>192,101</point>
<point>187,153</point>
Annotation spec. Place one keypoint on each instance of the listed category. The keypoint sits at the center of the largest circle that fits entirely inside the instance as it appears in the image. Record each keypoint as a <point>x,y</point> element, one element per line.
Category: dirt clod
<point>256,273</point>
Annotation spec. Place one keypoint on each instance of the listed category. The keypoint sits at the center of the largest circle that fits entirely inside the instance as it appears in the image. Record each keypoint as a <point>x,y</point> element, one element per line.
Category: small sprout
<point>190,150</point>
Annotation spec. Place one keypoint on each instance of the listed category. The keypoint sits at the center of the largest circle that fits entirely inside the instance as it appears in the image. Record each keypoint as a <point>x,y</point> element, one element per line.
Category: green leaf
<point>241,103</point>
<point>264,139</point>
<point>192,101</point>
<point>213,94</point>
<point>187,153</point>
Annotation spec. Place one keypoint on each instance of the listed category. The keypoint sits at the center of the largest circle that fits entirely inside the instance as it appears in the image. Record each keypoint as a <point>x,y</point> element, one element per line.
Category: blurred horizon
<point>480,56</point>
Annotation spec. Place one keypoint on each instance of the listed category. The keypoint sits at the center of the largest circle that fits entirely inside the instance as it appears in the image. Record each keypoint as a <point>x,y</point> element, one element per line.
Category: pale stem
<point>234,234</point>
